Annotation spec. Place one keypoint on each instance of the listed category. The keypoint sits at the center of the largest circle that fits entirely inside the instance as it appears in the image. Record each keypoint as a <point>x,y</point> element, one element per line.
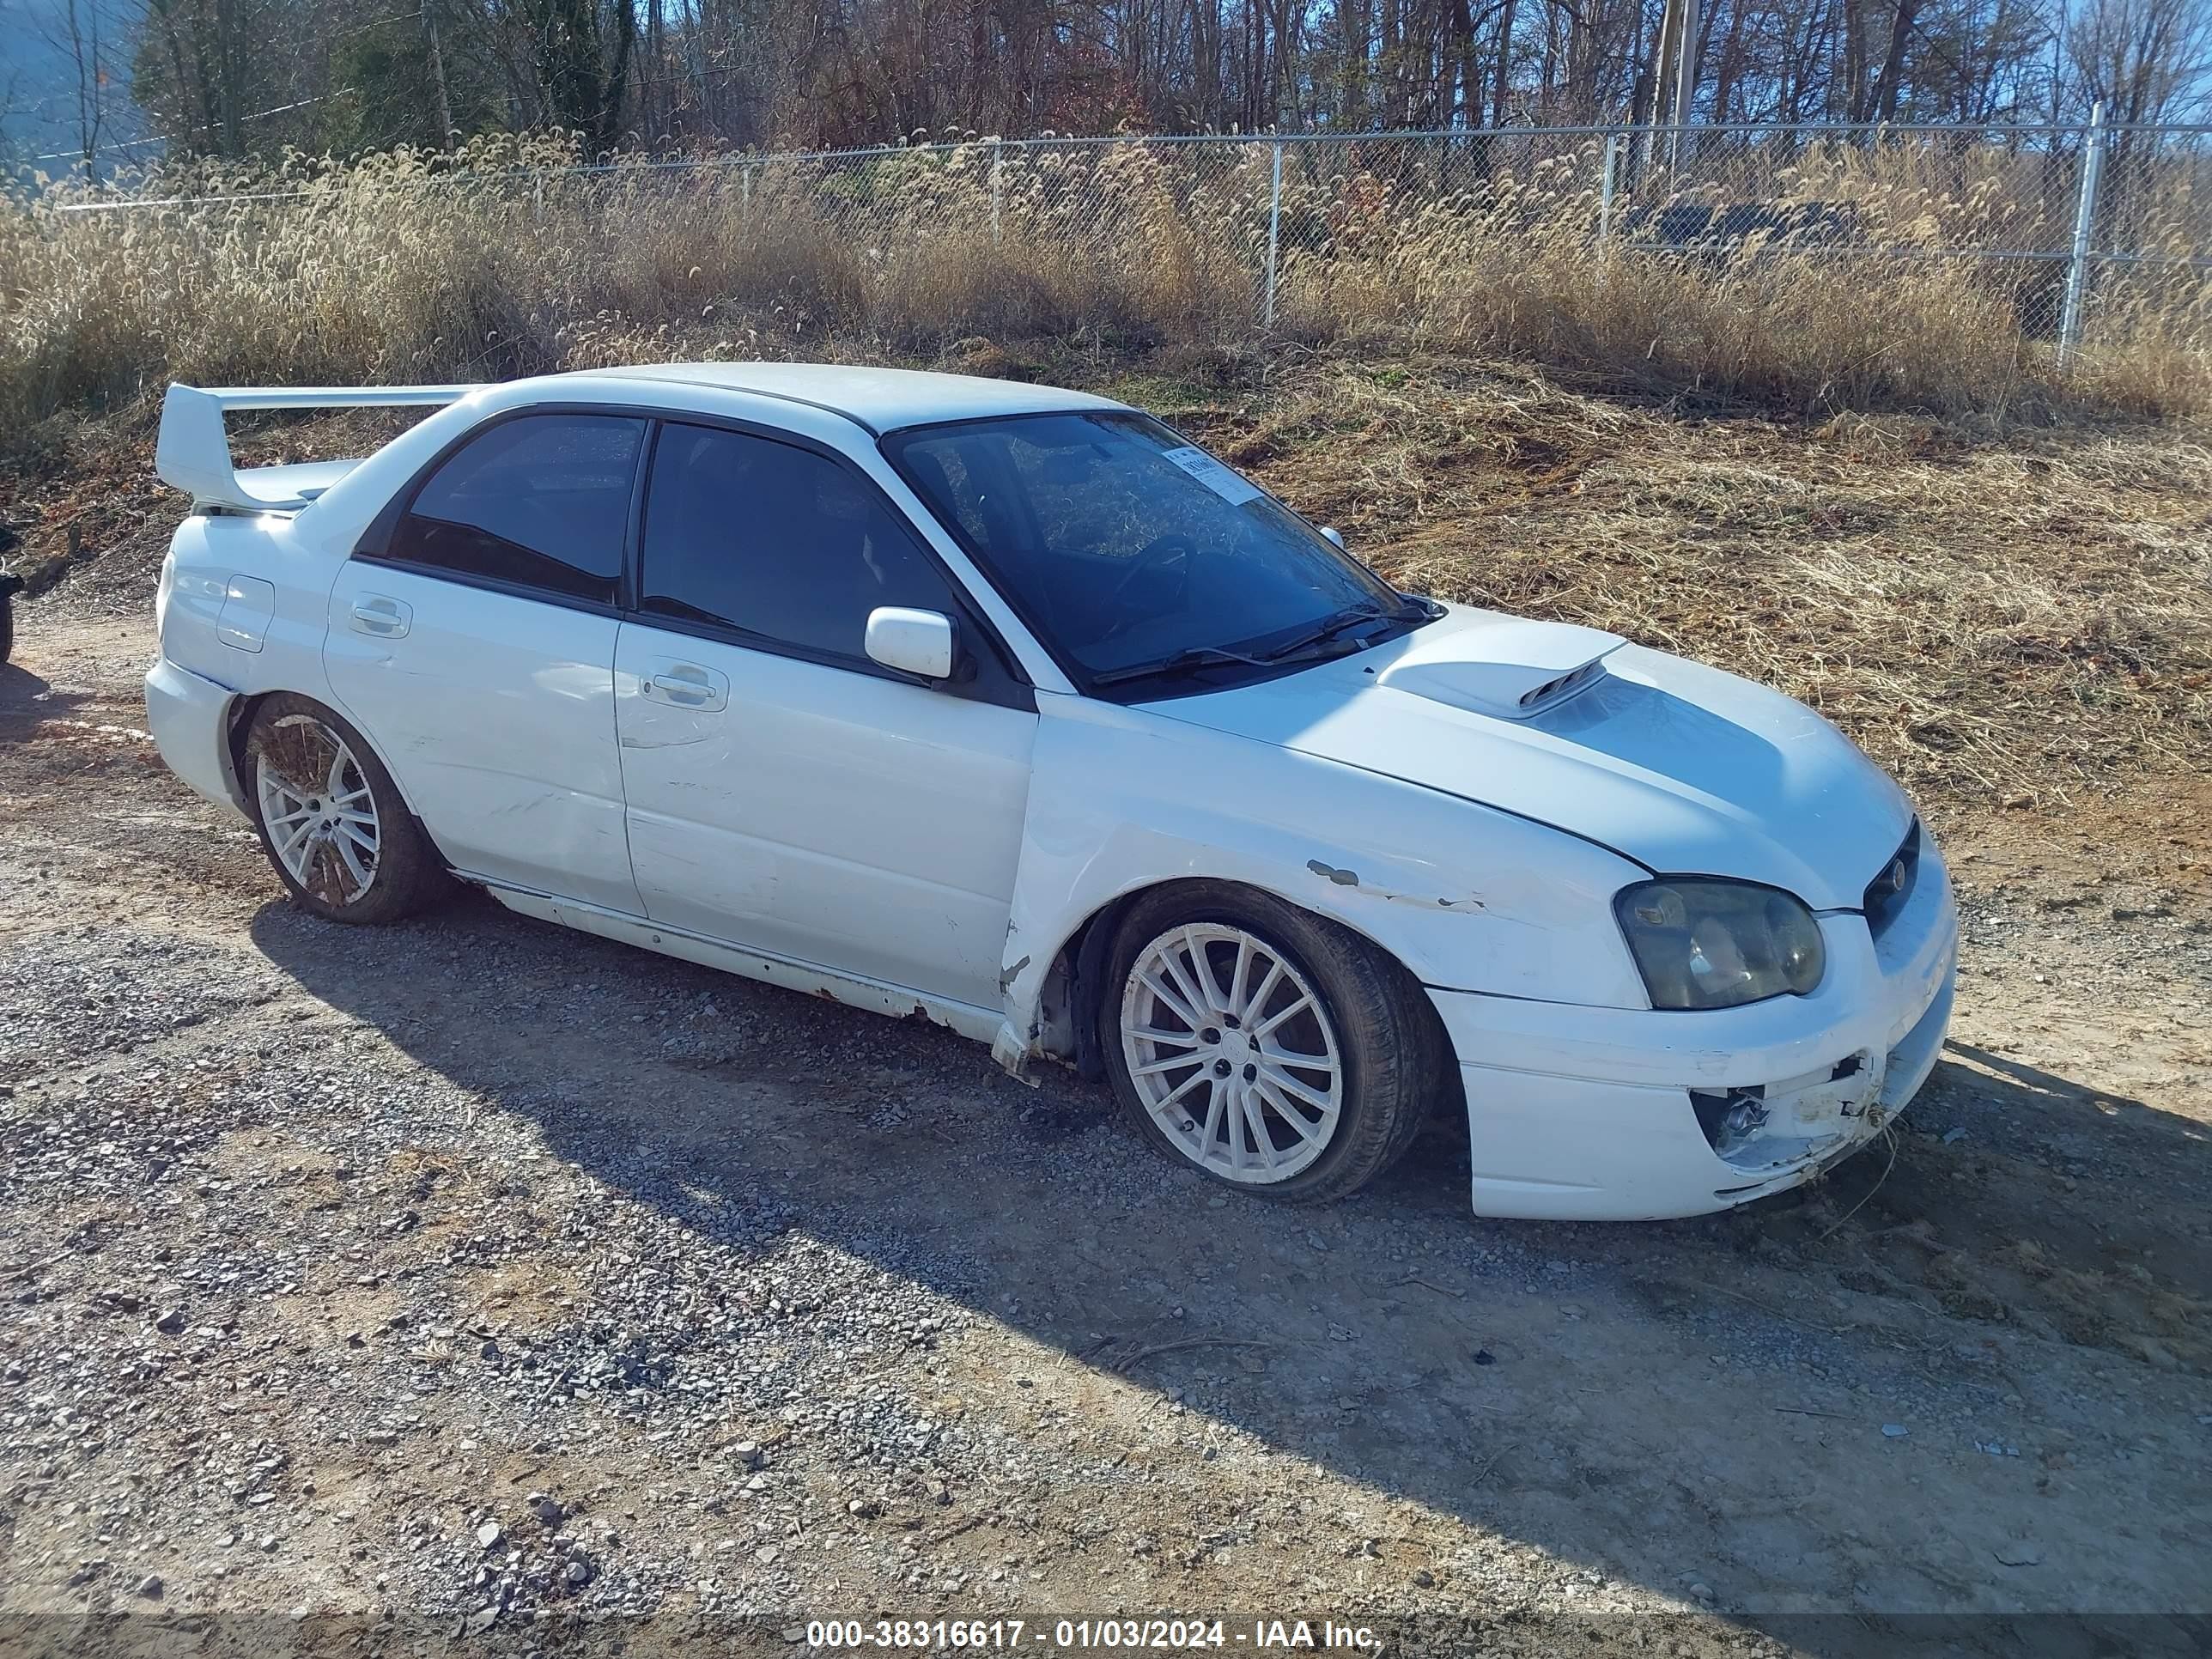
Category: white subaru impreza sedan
<point>1009,708</point>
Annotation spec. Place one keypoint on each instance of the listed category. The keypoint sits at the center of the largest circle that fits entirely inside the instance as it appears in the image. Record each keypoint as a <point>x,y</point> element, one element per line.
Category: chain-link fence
<point>2072,235</point>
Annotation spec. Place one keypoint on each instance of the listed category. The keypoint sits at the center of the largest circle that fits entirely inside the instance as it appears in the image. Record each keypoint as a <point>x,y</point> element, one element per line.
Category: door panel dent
<point>1121,800</point>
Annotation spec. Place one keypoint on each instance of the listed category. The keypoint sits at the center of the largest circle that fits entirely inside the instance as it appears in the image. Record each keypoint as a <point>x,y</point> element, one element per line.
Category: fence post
<point>1605,198</point>
<point>996,149</point>
<point>2085,215</point>
<point>746,194</point>
<point>1274,230</point>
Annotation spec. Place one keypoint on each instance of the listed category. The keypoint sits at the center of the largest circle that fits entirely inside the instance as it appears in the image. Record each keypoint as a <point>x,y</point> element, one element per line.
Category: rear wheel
<point>1275,1050</point>
<point>7,626</point>
<point>331,817</point>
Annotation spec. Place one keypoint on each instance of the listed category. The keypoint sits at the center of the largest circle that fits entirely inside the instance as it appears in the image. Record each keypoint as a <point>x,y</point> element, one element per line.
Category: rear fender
<point>244,604</point>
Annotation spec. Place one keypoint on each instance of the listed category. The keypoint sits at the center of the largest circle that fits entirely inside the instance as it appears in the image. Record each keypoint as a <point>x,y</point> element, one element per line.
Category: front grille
<point>1885,895</point>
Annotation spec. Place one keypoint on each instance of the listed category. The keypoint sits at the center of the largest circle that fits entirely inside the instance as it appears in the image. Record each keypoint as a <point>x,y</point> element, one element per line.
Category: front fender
<point>1466,897</point>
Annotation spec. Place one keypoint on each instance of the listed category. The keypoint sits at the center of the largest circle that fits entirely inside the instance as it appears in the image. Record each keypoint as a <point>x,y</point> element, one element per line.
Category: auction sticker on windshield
<point>1214,476</point>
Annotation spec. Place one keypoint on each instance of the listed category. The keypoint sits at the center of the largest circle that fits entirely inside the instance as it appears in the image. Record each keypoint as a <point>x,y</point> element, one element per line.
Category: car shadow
<point>2041,1082</point>
<point>1597,1393</point>
<point>27,699</point>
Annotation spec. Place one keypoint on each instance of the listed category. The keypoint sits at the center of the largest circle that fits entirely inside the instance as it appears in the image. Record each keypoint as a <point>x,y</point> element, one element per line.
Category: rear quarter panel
<point>207,556</point>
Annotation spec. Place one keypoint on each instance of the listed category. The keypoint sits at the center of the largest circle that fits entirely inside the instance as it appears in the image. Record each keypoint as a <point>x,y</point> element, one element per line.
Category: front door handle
<point>386,618</point>
<point>687,685</point>
<point>681,690</point>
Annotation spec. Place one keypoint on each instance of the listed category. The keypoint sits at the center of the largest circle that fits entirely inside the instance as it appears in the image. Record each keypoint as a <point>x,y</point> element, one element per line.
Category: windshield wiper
<point>1327,630</point>
<point>1183,662</point>
<point>1208,656</point>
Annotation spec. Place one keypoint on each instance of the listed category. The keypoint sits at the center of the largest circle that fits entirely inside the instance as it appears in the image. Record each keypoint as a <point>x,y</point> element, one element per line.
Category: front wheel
<point>331,818</point>
<point>1273,1049</point>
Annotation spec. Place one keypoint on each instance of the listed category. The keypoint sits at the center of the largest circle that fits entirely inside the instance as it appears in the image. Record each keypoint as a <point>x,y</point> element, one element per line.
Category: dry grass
<point>1796,332</point>
<point>2000,618</point>
<point>2006,618</point>
<point>1812,288</point>
<point>402,267</point>
<point>1992,581</point>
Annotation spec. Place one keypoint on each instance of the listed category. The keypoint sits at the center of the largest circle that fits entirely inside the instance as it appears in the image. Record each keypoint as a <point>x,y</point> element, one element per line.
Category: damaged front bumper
<point>1609,1114</point>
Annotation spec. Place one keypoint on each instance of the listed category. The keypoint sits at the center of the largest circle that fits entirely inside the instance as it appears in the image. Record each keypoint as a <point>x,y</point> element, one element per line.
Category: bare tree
<point>83,33</point>
<point>2144,60</point>
<point>12,101</point>
<point>710,74</point>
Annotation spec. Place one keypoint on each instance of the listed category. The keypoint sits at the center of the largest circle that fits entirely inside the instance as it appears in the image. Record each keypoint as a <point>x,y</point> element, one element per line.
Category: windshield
<point>1132,553</point>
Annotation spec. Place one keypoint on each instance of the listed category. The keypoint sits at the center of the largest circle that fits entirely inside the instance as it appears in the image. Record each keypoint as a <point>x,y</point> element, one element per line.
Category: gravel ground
<point>492,1280</point>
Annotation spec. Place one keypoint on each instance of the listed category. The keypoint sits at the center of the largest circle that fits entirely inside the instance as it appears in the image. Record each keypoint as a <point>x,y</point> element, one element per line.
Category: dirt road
<point>480,1269</point>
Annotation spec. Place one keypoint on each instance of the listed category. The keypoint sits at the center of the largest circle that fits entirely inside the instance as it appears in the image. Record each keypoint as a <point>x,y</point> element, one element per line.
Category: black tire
<point>1391,1047</point>
<point>7,627</point>
<point>287,736</point>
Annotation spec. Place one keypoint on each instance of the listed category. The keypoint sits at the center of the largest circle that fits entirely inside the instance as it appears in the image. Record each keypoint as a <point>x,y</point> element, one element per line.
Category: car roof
<point>881,399</point>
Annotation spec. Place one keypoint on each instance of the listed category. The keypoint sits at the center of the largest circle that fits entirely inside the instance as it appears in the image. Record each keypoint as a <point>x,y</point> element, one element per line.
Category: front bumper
<point>190,718</point>
<point>1588,1114</point>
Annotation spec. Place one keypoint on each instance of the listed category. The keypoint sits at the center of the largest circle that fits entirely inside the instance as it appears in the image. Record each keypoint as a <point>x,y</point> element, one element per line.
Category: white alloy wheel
<point>319,810</point>
<point>1232,1053</point>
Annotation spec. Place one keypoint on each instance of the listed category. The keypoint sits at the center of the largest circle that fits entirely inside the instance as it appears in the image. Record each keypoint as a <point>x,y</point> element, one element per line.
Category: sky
<point>38,84</point>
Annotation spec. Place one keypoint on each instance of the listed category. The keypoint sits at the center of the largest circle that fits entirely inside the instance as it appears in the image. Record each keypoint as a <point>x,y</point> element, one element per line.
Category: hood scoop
<point>1509,669</point>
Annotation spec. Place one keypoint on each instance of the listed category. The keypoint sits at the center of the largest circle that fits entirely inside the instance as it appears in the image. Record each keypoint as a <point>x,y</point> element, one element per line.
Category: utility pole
<point>438,75</point>
<point>648,83</point>
<point>1654,114</point>
<point>1685,77</point>
<point>230,62</point>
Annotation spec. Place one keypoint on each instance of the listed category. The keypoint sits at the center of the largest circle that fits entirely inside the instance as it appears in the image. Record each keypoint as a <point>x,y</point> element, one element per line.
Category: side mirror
<point>1334,537</point>
<point>911,642</point>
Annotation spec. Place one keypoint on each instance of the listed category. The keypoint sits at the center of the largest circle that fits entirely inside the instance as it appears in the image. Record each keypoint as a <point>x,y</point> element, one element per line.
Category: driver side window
<point>777,542</point>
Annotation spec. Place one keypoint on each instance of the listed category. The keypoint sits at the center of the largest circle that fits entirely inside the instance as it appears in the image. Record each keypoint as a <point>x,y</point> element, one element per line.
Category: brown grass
<point>1794,331</point>
<point>2000,617</point>
<point>2009,617</point>
<point>401,266</point>
<point>1995,583</point>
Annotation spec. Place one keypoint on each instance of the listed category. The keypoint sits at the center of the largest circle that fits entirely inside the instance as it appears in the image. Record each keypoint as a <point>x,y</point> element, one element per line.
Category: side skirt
<point>981,1024</point>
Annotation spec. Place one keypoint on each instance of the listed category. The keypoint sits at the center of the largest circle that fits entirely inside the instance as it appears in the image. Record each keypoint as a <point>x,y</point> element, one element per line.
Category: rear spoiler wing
<point>193,453</point>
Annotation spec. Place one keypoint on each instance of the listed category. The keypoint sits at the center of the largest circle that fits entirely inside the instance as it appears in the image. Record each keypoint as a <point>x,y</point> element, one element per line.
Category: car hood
<point>1684,769</point>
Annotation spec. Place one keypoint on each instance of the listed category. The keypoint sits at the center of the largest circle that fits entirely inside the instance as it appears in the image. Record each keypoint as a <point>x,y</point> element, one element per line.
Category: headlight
<point>1718,944</point>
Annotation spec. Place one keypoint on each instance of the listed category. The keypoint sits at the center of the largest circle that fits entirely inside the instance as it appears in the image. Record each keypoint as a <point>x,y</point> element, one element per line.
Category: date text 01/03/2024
<point>1117,1635</point>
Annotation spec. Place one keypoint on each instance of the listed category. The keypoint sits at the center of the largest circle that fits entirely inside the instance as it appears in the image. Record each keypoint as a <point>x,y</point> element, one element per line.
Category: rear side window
<point>541,502</point>
<point>776,541</point>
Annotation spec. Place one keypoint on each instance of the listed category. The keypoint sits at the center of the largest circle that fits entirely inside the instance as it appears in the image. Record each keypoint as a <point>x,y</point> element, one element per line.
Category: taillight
<point>161,592</point>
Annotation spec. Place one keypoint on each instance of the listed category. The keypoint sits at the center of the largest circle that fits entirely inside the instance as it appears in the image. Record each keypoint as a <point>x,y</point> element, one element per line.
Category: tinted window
<point>1128,548</point>
<point>543,501</point>
<point>775,540</point>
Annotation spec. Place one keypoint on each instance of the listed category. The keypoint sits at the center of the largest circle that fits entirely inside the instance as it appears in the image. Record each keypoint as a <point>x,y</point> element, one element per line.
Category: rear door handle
<point>388,619</point>
<point>687,685</point>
